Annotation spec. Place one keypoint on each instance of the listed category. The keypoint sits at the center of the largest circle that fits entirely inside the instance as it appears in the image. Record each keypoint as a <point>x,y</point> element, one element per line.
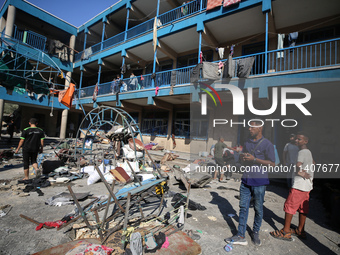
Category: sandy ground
<point>18,236</point>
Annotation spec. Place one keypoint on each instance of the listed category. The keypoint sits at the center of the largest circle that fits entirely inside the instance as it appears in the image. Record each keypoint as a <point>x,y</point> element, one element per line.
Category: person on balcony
<point>133,82</point>
<point>184,8</point>
<point>115,84</point>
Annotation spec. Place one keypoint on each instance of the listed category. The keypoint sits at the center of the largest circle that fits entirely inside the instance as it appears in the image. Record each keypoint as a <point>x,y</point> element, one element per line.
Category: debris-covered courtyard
<point>212,215</point>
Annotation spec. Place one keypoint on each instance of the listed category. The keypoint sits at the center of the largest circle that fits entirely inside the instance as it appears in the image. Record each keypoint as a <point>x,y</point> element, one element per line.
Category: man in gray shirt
<point>290,154</point>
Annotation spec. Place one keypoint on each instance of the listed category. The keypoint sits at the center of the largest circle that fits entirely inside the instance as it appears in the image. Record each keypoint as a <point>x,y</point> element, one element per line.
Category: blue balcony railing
<point>181,12</point>
<point>302,57</point>
<point>166,18</point>
<point>31,38</point>
<point>307,56</point>
<point>113,40</point>
<point>140,29</point>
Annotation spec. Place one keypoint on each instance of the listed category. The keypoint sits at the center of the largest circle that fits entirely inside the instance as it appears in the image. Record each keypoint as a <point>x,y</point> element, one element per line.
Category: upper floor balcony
<point>184,11</point>
<point>301,58</point>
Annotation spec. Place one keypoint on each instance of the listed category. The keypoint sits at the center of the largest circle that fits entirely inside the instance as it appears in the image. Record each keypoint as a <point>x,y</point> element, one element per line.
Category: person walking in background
<point>10,130</point>
<point>218,156</point>
<point>289,157</point>
<point>32,141</point>
<point>257,152</point>
<point>71,130</point>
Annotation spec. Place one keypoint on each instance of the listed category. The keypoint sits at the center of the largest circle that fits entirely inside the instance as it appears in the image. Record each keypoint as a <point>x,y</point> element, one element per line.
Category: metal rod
<point>98,225</point>
<point>33,221</point>
<point>108,205</point>
<point>160,205</point>
<point>79,207</point>
<point>126,218</point>
<point>159,172</point>
<point>187,207</point>
<point>108,188</point>
<point>133,172</point>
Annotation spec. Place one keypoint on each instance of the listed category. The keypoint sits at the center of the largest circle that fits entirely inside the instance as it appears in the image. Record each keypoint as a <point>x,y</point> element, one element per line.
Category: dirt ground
<point>218,221</point>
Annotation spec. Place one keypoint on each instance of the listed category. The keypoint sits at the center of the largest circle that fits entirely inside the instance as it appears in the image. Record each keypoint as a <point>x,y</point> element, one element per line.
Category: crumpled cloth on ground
<point>55,224</point>
<point>166,243</point>
<point>64,198</point>
<point>160,240</point>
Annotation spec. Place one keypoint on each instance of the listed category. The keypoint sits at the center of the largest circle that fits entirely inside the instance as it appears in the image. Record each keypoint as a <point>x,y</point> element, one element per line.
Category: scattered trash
<point>4,210</point>
<point>192,235</point>
<point>228,247</point>
<point>212,218</point>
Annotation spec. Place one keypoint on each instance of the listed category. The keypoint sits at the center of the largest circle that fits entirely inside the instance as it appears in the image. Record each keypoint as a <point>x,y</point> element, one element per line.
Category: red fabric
<point>213,4</point>
<point>201,57</point>
<point>297,200</point>
<point>166,243</point>
<point>230,2</point>
<point>141,78</point>
<point>156,91</point>
<point>55,224</point>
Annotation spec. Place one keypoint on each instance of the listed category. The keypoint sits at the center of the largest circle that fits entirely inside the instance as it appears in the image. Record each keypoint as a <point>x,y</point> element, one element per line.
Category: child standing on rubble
<point>32,140</point>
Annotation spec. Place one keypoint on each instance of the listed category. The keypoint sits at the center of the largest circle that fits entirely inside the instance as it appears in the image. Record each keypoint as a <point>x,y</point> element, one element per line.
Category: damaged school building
<point>155,48</point>
<point>171,76</point>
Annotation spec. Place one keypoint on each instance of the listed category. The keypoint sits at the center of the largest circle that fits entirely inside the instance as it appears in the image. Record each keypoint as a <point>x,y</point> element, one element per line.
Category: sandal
<point>299,234</point>
<point>280,234</point>
<point>192,235</point>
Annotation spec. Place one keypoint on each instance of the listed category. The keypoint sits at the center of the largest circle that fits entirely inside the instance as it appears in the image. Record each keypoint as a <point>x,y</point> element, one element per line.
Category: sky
<point>75,12</point>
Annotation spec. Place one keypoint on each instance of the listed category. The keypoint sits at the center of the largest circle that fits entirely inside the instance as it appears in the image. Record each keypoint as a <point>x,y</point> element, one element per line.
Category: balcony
<point>164,19</point>
<point>303,57</point>
<point>31,38</point>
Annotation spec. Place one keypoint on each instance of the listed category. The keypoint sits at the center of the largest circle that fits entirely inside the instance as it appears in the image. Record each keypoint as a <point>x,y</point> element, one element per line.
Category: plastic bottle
<point>228,247</point>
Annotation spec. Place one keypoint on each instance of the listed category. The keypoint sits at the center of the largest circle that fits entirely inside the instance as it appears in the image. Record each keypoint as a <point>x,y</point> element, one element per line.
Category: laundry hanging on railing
<point>213,4</point>
<point>216,3</point>
<point>229,67</point>
<point>230,2</point>
<point>292,37</point>
<point>95,93</point>
<point>173,82</point>
<point>195,73</point>
<point>210,71</point>
<point>221,52</point>
<point>244,66</point>
<point>86,53</point>
<point>280,40</point>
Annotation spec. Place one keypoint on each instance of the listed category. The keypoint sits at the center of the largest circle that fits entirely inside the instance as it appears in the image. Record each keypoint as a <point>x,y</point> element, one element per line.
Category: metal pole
<point>126,218</point>
<point>103,35</point>
<point>199,46</point>
<point>155,53</point>
<point>127,22</point>
<point>109,188</point>
<point>79,207</point>
<point>85,39</point>
<point>80,82</point>
<point>266,46</point>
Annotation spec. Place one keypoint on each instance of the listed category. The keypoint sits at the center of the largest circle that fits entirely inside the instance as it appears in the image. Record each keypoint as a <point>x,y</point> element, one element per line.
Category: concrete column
<point>10,21</point>
<point>2,106</point>
<point>170,120</point>
<point>2,24</point>
<point>72,42</point>
<point>63,124</point>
